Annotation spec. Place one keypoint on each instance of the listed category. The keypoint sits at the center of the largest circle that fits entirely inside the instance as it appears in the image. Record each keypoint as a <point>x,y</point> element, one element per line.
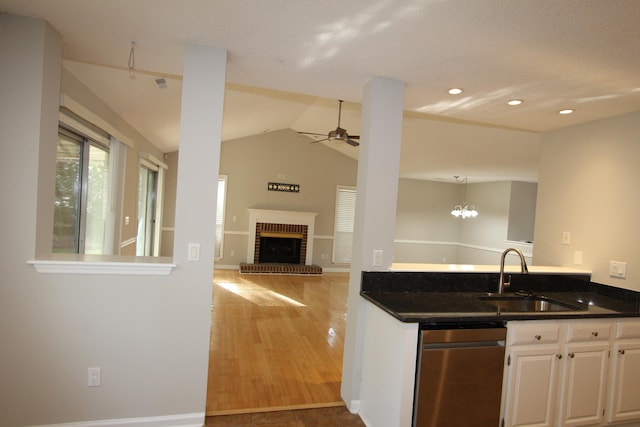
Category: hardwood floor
<point>276,342</point>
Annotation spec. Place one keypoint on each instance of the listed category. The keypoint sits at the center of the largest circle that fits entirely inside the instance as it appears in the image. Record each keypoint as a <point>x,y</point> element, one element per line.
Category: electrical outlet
<point>94,377</point>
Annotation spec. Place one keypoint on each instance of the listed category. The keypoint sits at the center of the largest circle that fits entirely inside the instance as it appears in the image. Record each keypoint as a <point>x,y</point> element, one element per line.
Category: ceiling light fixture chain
<point>463,210</point>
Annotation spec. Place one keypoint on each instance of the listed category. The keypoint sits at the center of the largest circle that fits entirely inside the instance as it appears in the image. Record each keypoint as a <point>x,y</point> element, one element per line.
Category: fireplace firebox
<point>280,247</point>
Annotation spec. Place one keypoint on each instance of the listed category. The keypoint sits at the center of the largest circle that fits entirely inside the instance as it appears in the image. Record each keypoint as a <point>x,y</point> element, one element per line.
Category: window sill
<point>103,264</point>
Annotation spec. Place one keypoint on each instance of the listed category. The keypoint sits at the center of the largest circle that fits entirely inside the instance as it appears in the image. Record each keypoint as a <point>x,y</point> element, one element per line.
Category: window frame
<point>221,207</point>
<point>154,164</point>
<point>87,138</point>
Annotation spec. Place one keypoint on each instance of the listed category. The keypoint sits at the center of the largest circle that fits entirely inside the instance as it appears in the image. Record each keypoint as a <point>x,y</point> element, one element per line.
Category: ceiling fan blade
<point>339,133</point>
<point>352,142</point>
<point>312,133</point>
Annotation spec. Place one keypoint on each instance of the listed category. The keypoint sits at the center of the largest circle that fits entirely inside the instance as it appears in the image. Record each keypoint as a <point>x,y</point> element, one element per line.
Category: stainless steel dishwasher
<point>459,377</point>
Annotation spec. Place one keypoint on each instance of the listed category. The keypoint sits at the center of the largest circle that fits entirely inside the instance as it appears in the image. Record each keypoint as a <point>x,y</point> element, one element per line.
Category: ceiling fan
<point>338,133</point>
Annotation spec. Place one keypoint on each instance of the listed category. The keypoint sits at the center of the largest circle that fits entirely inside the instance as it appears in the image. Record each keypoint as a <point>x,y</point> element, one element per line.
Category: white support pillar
<point>199,158</point>
<point>198,166</point>
<point>378,170</point>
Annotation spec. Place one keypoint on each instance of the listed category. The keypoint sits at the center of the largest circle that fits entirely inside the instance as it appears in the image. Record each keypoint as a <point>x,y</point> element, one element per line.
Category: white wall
<point>588,186</point>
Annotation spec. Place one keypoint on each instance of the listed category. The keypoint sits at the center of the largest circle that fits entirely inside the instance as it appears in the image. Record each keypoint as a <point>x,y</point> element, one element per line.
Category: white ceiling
<point>290,60</point>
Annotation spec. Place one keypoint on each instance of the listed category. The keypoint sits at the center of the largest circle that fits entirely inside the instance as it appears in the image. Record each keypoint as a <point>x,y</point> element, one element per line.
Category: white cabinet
<point>556,373</point>
<point>585,373</point>
<point>531,375</point>
<point>532,384</point>
<point>624,395</point>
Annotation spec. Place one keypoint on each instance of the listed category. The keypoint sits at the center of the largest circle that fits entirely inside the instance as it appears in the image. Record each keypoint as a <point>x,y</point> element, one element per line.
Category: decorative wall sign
<point>289,188</point>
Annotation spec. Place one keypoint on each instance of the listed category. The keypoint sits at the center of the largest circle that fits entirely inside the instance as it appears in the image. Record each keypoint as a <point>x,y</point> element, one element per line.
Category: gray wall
<point>148,333</point>
<point>286,157</point>
<point>426,232</point>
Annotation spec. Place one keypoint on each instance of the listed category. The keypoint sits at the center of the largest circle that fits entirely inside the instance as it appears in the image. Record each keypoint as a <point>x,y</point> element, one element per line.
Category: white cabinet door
<point>531,386</point>
<point>624,404</point>
<point>584,381</point>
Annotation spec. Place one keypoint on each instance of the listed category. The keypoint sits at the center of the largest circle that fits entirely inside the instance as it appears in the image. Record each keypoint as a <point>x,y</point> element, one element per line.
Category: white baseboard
<point>353,406</point>
<point>181,420</point>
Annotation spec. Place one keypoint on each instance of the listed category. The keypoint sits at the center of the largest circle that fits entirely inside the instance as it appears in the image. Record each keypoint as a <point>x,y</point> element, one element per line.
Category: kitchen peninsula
<point>410,298</point>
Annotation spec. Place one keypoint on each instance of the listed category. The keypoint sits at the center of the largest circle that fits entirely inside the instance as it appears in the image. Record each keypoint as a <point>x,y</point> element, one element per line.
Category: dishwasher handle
<point>462,345</point>
<point>448,336</point>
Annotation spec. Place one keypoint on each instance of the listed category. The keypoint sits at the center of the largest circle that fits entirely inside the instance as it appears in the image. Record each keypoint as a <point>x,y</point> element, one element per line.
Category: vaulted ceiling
<point>289,61</point>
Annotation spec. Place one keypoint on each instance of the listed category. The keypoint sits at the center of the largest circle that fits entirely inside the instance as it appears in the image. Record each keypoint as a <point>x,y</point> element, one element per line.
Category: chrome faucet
<point>523,268</point>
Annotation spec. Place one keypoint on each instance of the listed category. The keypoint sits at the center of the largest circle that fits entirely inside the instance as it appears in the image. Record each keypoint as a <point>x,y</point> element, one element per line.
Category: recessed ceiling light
<point>566,111</point>
<point>514,102</point>
<point>455,91</point>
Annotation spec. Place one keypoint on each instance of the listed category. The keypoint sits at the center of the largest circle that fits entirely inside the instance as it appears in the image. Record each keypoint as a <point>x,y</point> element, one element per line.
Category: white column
<point>378,169</point>
<point>198,166</point>
<point>199,157</point>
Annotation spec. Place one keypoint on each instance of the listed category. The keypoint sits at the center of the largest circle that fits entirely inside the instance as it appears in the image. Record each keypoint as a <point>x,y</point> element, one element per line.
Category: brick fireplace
<point>286,231</point>
<point>282,243</point>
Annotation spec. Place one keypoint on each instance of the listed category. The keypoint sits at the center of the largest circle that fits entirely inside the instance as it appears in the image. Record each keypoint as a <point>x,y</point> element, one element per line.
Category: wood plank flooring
<point>276,342</point>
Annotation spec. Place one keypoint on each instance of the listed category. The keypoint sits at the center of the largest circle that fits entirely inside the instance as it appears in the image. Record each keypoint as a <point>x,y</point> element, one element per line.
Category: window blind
<point>344,223</point>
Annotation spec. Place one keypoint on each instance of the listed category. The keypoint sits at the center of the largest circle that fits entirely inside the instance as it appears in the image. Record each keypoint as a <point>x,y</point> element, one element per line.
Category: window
<point>82,204</point>
<point>147,191</point>
<point>151,173</point>
<point>344,222</point>
<point>222,192</point>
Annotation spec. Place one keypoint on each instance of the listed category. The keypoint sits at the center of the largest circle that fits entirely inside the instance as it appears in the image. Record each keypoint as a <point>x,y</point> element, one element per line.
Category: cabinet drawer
<point>533,334</point>
<point>626,330</point>
<point>588,331</point>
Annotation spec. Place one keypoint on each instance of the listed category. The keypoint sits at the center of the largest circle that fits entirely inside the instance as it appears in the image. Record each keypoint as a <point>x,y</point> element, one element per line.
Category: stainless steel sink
<point>527,304</point>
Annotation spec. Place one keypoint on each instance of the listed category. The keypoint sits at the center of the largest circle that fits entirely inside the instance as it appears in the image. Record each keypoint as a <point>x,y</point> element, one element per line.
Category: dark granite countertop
<point>432,298</point>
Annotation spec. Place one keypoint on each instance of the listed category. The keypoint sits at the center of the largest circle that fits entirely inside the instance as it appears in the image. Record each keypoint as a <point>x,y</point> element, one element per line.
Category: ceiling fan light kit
<point>339,133</point>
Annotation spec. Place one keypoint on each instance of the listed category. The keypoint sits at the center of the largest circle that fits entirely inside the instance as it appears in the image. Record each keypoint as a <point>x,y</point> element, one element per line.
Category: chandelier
<point>464,210</point>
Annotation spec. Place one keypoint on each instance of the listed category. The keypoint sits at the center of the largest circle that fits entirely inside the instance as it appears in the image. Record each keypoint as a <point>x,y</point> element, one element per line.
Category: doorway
<point>276,342</point>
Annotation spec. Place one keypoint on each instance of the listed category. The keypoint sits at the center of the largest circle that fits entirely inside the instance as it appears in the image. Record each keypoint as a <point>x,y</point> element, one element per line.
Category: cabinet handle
<point>559,356</point>
<point>571,355</point>
<point>594,333</point>
<point>538,337</point>
<point>621,351</point>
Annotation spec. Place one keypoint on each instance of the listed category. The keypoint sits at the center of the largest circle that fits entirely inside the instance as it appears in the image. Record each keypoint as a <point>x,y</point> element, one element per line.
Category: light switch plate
<point>377,258</point>
<point>194,252</point>
<point>618,269</point>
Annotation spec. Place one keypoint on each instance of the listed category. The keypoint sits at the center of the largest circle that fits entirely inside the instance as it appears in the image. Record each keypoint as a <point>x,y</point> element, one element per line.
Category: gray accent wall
<point>281,156</point>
